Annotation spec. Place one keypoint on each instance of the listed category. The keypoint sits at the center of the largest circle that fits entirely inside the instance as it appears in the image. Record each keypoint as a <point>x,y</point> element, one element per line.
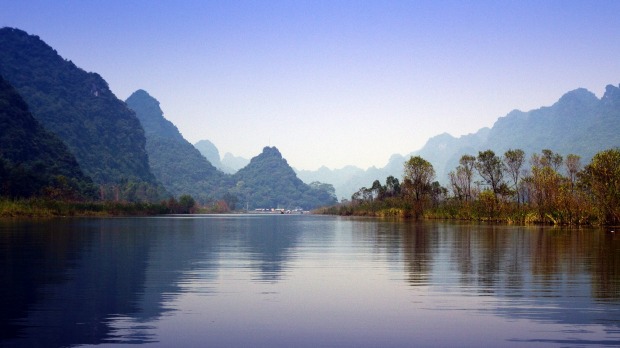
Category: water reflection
<point>93,281</point>
<point>56,270</point>
<point>419,242</point>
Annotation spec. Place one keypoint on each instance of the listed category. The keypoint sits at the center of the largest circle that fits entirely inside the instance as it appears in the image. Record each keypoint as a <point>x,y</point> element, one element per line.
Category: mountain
<point>211,153</point>
<point>34,161</point>
<point>340,178</point>
<point>269,182</point>
<point>578,123</point>
<point>100,131</point>
<point>176,163</point>
<point>231,163</point>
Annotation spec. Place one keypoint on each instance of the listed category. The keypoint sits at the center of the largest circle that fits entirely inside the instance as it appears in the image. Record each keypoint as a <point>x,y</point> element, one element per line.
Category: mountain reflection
<point>72,282</point>
<point>58,271</point>
<point>268,241</point>
<point>78,277</point>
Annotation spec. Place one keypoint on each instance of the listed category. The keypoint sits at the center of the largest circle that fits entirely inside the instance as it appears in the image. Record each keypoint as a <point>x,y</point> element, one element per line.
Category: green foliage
<point>37,207</point>
<point>602,180</point>
<point>489,167</point>
<point>590,196</point>
<point>185,205</point>
<point>269,182</point>
<point>173,160</point>
<point>100,131</point>
<point>514,160</point>
<point>34,162</point>
<point>419,174</point>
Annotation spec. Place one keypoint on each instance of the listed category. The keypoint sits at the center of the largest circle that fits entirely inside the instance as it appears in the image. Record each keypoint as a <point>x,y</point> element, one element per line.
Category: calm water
<point>294,281</point>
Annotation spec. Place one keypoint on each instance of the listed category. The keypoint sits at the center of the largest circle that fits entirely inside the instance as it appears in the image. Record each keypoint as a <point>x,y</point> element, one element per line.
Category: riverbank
<point>48,208</point>
<point>504,213</point>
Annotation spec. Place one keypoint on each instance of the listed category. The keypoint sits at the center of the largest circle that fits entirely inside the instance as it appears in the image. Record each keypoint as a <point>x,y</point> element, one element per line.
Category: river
<point>305,281</point>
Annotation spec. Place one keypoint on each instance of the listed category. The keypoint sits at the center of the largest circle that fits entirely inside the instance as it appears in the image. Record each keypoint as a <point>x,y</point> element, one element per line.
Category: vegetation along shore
<point>547,189</point>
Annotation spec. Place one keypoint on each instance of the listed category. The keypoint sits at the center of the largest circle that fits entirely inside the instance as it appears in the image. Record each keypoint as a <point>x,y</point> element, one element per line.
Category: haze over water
<point>271,280</point>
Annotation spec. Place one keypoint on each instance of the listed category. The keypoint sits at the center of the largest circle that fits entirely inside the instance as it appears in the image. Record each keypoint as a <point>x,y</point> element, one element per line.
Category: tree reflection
<point>418,254</point>
<point>567,269</point>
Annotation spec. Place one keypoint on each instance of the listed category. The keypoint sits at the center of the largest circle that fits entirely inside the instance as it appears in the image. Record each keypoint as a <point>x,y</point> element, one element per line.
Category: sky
<point>333,83</point>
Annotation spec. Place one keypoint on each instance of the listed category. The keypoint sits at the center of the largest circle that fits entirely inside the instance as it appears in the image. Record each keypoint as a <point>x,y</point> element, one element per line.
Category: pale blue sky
<point>333,82</point>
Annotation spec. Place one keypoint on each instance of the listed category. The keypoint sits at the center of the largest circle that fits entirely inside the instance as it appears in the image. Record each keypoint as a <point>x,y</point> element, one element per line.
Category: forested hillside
<point>100,131</point>
<point>269,182</point>
<point>33,161</point>
<point>174,161</point>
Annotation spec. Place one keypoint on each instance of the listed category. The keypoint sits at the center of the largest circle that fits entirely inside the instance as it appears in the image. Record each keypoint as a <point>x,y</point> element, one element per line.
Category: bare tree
<point>573,166</point>
<point>467,163</point>
<point>513,160</point>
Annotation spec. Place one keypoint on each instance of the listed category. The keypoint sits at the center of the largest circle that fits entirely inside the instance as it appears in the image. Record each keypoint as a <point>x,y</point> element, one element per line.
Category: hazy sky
<point>333,82</point>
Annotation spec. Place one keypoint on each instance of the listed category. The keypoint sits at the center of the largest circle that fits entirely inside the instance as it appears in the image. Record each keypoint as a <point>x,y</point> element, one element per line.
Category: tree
<point>573,166</point>
<point>513,160</point>
<point>602,179</point>
<point>186,204</point>
<point>362,195</point>
<point>465,172</point>
<point>545,182</point>
<point>489,167</point>
<point>438,193</point>
<point>392,186</point>
<point>460,182</point>
<point>231,200</point>
<point>421,174</point>
<point>551,159</point>
<point>378,190</point>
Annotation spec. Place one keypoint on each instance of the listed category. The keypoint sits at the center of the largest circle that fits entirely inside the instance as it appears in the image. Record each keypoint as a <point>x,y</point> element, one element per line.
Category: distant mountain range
<point>266,182</point>
<point>62,127</point>
<point>578,123</point>
<point>228,164</point>
<point>66,125</point>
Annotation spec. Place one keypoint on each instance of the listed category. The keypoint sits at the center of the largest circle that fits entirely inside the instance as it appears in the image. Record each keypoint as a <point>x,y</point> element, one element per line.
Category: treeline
<point>548,189</point>
<point>45,207</point>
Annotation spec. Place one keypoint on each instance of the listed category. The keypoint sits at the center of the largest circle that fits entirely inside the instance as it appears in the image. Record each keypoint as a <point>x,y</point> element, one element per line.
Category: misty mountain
<point>34,161</point>
<point>232,163</point>
<point>105,137</point>
<point>338,177</point>
<point>211,153</point>
<point>229,164</point>
<point>176,163</point>
<point>578,123</point>
<point>269,182</point>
